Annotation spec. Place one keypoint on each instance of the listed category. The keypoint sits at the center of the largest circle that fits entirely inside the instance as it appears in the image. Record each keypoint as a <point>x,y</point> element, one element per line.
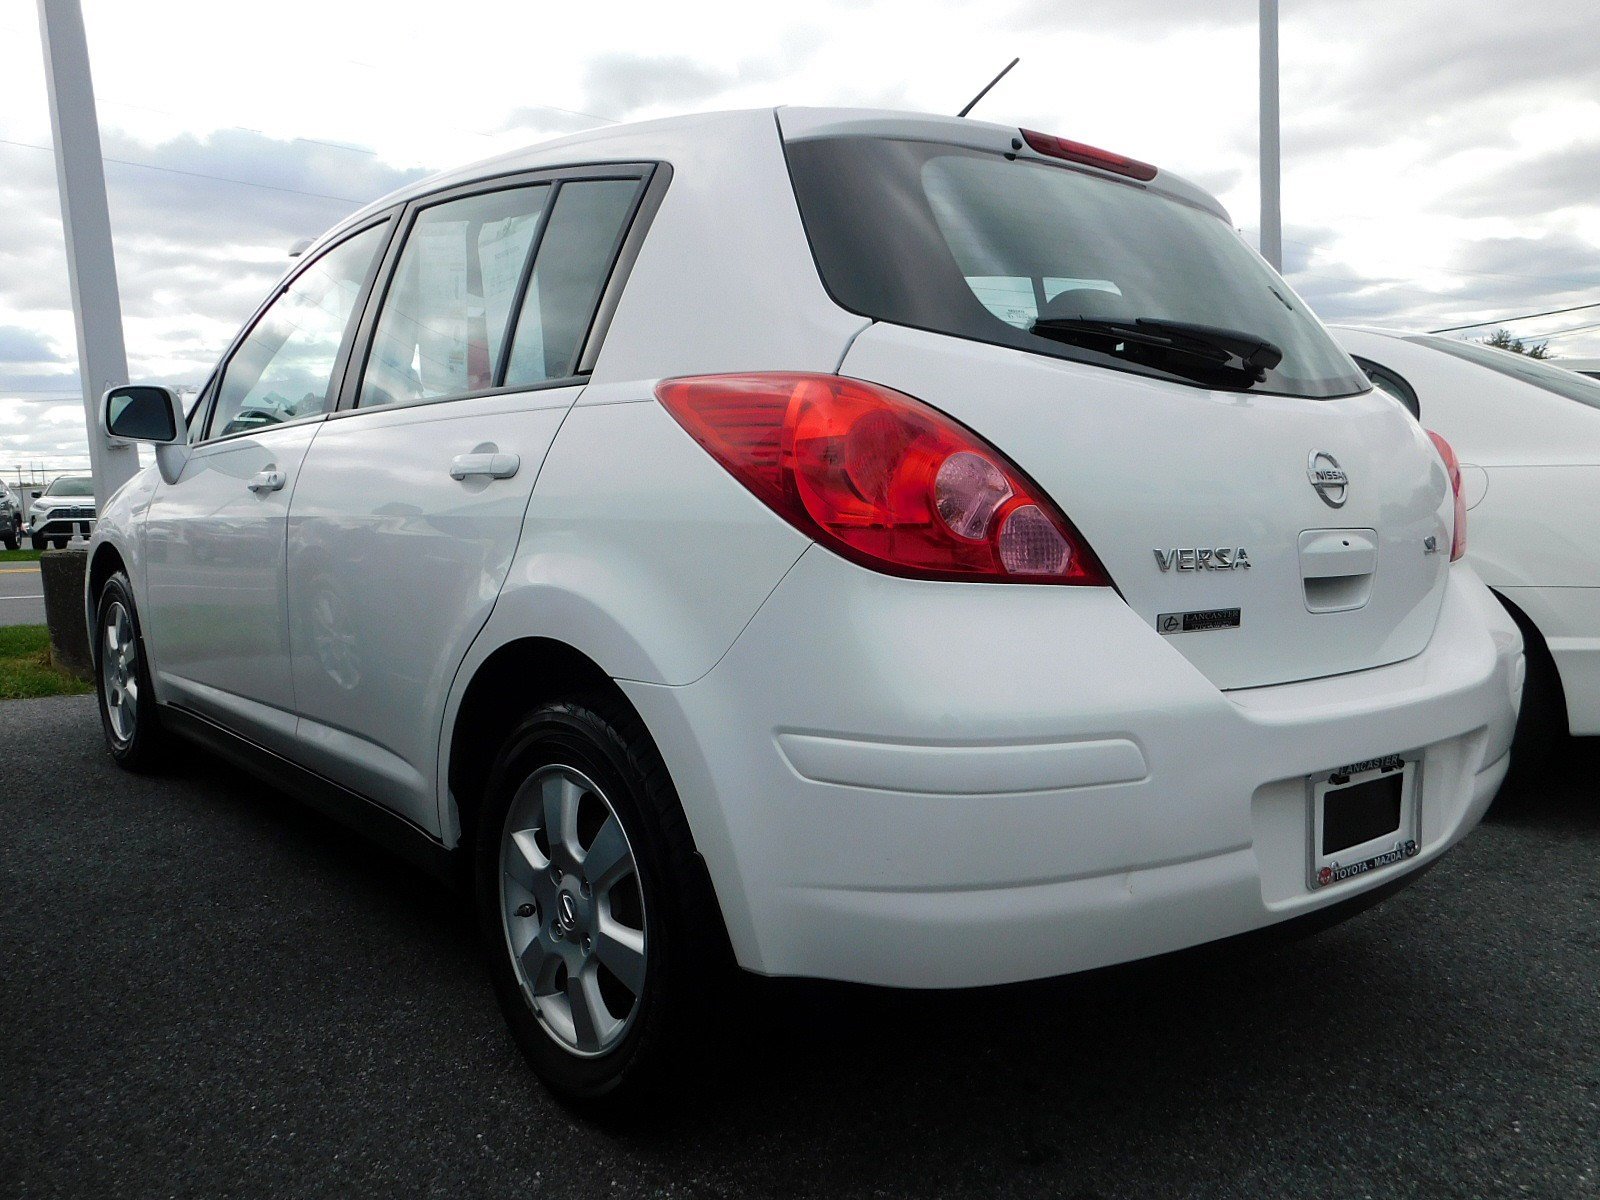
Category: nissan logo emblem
<point>1328,477</point>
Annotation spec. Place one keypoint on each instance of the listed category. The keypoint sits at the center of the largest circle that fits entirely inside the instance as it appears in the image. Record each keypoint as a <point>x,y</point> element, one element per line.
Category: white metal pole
<point>80,178</point>
<point>1271,202</point>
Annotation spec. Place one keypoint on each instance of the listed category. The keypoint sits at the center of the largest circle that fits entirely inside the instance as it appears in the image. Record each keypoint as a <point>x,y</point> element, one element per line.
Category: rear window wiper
<point>1211,348</point>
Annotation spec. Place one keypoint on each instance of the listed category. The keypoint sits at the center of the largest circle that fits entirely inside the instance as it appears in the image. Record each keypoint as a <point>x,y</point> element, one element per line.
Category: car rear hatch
<point>1269,513</point>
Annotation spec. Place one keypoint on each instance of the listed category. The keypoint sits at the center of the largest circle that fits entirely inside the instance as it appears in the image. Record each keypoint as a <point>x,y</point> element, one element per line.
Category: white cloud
<point>1438,156</point>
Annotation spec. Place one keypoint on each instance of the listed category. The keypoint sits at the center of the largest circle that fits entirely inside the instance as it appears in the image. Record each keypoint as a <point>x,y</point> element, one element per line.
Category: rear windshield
<point>969,243</point>
<point>70,486</point>
<point>1519,366</point>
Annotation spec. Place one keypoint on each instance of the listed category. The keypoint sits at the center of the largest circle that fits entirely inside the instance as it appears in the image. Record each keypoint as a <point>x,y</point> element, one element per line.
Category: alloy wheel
<point>119,671</point>
<point>573,910</point>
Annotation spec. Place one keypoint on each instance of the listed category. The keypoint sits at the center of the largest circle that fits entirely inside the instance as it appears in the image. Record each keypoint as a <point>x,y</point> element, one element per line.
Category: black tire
<point>11,540</point>
<point>685,944</point>
<point>145,747</point>
<point>59,543</point>
<point>36,541</point>
<point>1542,720</point>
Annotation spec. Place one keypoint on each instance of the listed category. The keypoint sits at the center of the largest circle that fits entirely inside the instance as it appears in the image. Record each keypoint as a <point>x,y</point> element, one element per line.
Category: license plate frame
<point>1378,852</point>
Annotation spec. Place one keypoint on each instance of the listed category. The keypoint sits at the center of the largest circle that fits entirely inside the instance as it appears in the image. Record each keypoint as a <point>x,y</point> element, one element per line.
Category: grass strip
<point>25,668</point>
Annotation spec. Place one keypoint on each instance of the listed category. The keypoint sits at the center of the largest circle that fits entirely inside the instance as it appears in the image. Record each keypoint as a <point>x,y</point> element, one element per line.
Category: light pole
<point>1271,203</point>
<point>81,181</point>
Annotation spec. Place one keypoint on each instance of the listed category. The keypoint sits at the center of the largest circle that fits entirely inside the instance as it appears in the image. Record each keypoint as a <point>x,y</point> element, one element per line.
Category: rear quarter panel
<point>637,549</point>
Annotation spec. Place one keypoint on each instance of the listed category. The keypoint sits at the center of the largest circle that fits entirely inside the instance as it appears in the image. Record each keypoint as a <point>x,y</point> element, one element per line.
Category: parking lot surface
<point>207,990</point>
<point>21,594</point>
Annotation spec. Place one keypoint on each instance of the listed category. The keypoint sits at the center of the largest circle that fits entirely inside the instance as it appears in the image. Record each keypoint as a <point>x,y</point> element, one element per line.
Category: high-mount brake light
<point>881,478</point>
<point>1452,466</point>
<point>1059,147</point>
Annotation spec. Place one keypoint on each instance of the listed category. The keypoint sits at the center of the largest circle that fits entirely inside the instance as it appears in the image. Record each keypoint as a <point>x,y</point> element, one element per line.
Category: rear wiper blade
<point>1215,345</point>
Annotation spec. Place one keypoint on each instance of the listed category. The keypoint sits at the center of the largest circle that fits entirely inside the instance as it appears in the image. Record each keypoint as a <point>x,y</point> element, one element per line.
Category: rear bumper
<point>883,797</point>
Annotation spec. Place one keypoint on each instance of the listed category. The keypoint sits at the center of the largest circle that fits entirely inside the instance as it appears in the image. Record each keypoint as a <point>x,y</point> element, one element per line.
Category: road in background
<point>208,990</point>
<point>21,594</point>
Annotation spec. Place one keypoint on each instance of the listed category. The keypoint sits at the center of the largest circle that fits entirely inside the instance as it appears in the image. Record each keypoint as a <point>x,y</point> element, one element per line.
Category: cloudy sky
<point>1441,157</point>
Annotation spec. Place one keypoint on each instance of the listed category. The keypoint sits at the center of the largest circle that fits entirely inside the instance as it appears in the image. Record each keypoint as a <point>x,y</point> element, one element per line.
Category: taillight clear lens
<point>881,478</point>
<point>968,491</point>
<point>1452,466</point>
<point>1031,545</point>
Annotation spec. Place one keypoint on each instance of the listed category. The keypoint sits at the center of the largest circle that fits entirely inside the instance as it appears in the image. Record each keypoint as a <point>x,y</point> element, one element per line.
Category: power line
<point>1545,337</point>
<point>1554,312</point>
<point>1436,269</point>
<point>271,187</point>
<point>167,112</point>
<point>576,112</point>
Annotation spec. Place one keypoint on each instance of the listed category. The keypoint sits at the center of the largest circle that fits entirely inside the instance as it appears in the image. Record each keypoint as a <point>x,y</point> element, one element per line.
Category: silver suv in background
<point>64,508</point>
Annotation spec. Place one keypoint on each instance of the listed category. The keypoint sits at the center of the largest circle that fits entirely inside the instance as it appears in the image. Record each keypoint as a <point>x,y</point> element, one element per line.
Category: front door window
<point>283,370</point>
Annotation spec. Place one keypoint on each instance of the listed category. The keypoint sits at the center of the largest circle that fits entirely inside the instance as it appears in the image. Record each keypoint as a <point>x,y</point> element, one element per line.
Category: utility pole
<point>1271,196</point>
<point>91,269</point>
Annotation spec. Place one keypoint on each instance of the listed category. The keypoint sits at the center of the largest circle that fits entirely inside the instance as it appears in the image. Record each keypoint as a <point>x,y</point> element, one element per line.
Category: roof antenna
<point>973,103</point>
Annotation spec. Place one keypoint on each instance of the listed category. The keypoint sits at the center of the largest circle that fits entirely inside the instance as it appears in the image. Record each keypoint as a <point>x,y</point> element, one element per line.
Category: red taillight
<point>1458,540</point>
<point>881,478</point>
<point>1060,147</point>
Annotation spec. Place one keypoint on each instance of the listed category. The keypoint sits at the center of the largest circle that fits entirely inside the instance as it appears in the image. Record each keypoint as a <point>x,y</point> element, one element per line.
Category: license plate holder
<point>1362,818</point>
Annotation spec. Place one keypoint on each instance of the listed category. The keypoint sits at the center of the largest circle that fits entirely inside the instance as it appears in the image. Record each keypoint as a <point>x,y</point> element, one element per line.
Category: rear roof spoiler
<point>805,124</point>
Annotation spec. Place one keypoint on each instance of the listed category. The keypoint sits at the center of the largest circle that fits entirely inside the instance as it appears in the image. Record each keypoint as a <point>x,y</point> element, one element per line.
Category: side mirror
<point>144,413</point>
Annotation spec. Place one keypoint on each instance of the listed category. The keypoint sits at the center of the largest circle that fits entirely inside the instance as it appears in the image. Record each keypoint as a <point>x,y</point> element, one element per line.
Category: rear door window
<point>442,329</point>
<point>574,261</point>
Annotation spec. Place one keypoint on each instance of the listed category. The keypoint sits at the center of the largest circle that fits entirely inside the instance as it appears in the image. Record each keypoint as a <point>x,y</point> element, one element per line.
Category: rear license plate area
<point>1362,818</point>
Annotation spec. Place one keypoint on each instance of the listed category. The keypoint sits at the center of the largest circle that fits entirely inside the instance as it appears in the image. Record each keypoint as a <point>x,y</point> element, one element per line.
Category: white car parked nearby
<point>846,544</point>
<point>64,509</point>
<point>1583,366</point>
<point>1528,435</point>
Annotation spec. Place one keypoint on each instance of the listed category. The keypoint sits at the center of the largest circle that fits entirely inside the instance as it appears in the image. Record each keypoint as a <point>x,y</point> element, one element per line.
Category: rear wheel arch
<point>1534,643</point>
<point>1542,721</point>
<point>513,681</point>
<point>505,688</point>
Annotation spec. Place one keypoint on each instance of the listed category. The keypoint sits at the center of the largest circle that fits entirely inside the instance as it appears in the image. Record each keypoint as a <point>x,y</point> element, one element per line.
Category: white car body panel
<point>214,577</point>
<point>1141,465</point>
<point>393,568</point>
<point>1532,460</point>
<point>872,767</point>
<point>1583,366</point>
<point>856,880</point>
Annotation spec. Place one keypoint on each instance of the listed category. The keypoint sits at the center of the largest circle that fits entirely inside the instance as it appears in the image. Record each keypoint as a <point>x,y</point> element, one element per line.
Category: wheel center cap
<point>567,912</point>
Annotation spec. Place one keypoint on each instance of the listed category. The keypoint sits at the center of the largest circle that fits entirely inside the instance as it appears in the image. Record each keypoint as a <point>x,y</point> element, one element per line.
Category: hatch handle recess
<point>1337,567</point>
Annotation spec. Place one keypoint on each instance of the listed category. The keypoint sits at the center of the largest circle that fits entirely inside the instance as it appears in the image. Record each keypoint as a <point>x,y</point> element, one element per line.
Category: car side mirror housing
<point>144,413</point>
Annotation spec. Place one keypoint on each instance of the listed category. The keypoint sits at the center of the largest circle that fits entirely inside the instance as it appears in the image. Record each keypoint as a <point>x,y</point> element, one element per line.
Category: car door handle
<point>270,480</point>
<point>490,466</point>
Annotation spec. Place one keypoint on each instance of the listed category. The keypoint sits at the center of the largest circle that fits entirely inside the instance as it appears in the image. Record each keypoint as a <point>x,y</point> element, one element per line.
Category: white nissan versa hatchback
<point>844,544</point>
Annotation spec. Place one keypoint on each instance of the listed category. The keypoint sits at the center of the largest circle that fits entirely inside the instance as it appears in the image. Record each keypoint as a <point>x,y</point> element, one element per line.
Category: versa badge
<point>1203,558</point>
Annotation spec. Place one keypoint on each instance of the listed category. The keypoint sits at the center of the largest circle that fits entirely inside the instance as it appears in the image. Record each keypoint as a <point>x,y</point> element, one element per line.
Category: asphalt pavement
<point>206,990</point>
<point>21,595</point>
